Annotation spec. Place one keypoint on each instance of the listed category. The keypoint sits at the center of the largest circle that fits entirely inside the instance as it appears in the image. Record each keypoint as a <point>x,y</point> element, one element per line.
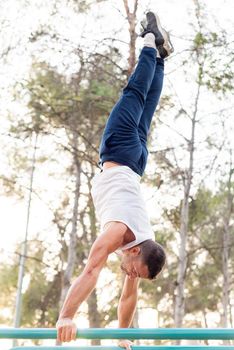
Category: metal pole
<point>134,347</point>
<point>122,333</point>
<point>24,246</point>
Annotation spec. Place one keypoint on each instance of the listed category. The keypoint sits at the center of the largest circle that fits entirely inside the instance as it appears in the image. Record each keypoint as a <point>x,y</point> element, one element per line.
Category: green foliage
<point>207,213</point>
<point>204,287</point>
<point>214,53</point>
<point>201,206</point>
<point>83,6</point>
<point>51,99</point>
<point>8,281</point>
<point>221,81</point>
<point>204,253</point>
<point>200,40</point>
<point>41,300</point>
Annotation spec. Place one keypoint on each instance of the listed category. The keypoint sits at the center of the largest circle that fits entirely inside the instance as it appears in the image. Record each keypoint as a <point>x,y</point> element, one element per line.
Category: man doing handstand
<point>116,189</point>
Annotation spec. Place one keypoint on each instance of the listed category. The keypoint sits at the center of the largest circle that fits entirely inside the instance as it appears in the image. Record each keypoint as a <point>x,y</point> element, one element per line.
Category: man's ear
<point>135,251</point>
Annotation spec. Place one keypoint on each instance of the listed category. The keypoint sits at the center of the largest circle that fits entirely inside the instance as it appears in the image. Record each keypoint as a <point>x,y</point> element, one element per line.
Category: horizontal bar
<point>119,333</point>
<point>169,347</point>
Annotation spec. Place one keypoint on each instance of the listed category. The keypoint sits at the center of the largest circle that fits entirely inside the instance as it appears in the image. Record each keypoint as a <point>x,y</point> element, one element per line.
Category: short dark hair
<point>153,255</point>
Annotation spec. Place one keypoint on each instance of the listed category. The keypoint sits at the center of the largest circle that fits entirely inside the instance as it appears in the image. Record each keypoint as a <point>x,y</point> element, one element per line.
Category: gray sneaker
<point>152,24</point>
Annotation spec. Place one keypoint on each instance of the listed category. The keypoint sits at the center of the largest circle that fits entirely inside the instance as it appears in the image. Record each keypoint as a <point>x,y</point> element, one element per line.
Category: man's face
<point>132,264</point>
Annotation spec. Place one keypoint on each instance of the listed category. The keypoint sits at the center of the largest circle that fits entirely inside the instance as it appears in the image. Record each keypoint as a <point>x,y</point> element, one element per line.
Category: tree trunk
<point>135,321</point>
<point>179,298</point>
<point>93,313</point>
<point>226,283</point>
<point>131,17</point>
<point>225,253</point>
<point>184,217</point>
<point>135,324</point>
<point>72,255</point>
<point>206,341</point>
<point>71,258</point>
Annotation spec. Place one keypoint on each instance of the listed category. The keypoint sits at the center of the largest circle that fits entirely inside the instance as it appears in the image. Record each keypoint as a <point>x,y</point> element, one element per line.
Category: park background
<point>63,65</point>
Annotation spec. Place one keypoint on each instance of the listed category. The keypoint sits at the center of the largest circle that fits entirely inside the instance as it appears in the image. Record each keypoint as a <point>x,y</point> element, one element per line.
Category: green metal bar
<point>129,333</point>
<point>169,347</point>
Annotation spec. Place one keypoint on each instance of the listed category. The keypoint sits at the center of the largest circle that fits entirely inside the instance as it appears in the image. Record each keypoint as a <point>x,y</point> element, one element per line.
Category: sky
<point>175,15</point>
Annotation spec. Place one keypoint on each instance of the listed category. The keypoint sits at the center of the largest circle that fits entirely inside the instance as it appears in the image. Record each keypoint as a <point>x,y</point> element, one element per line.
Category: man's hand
<point>66,330</point>
<point>124,343</point>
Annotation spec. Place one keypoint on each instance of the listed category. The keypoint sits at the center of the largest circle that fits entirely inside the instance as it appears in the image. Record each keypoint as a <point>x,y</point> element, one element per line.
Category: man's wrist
<point>64,316</point>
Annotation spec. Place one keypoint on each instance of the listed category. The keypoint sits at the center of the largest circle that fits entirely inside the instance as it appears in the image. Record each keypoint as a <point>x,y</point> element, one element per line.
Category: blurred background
<point>63,65</point>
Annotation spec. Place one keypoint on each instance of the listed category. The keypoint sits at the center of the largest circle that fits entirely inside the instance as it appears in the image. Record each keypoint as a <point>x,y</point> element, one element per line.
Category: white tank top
<point>117,196</point>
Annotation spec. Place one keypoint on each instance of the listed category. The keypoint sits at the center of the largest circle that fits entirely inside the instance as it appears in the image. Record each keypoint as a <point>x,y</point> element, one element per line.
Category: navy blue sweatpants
<point>124,139</point>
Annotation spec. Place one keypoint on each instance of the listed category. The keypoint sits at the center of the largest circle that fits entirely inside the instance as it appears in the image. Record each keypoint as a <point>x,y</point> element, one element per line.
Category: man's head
<point>144,260</point>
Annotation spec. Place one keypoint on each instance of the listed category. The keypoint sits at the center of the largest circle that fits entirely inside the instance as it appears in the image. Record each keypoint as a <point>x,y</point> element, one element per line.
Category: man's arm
<point>104,245</point>
<point>127,307</point>
<point>127,302</point>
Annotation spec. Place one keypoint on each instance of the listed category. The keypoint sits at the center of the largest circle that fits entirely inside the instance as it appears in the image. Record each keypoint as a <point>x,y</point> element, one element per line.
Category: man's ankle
<point>149,41</point>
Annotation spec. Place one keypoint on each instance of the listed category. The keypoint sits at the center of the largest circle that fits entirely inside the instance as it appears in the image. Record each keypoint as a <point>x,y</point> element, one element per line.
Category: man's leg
<point>149,109</point>
<point>120,141</point>
<point>152,24</point>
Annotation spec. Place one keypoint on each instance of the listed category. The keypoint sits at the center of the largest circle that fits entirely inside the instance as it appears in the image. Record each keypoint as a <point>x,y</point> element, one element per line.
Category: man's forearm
<point>78,292</point>
<point>126,310</point>
<point>127,303</point>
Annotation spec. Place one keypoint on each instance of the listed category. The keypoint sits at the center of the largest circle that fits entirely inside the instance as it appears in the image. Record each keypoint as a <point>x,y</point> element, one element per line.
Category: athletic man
<point>116,191</point>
